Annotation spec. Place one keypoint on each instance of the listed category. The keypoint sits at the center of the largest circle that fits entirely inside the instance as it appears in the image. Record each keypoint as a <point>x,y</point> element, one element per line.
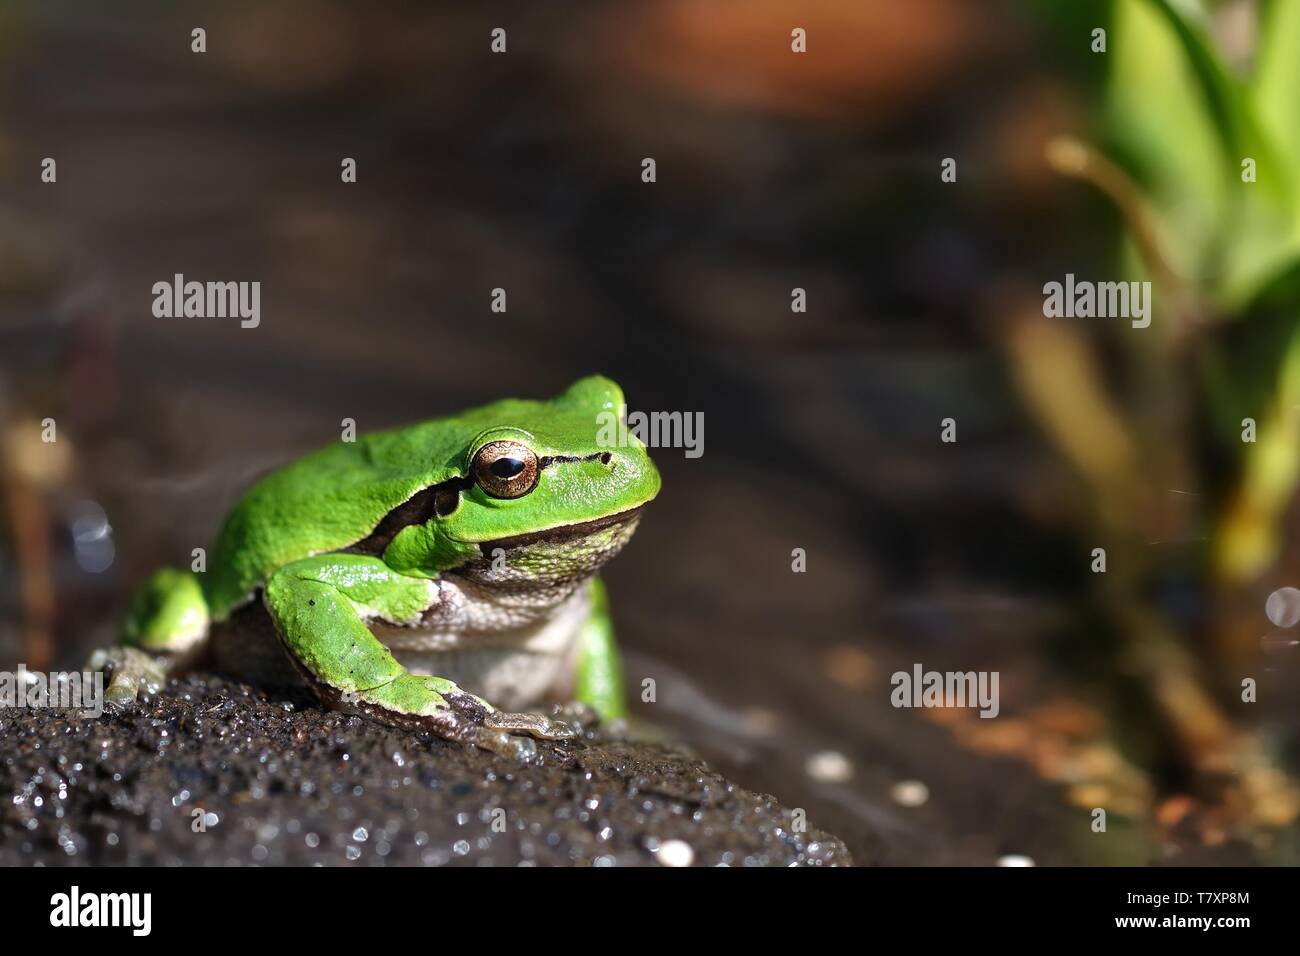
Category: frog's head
<point>547,490</point>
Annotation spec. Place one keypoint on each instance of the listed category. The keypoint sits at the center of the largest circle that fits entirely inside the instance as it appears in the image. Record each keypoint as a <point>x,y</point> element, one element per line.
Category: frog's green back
<point>323,502</point>
<point>335,497</point>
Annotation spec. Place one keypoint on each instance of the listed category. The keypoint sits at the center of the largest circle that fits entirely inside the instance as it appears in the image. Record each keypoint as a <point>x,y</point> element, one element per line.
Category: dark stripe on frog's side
<point>438,501</point>
<point>423,506</point>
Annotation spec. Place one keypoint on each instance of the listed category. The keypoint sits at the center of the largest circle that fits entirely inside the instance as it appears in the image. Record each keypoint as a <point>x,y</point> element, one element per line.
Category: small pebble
<point>829,766</point>
<point>675,853</point>
<point>910,793</point>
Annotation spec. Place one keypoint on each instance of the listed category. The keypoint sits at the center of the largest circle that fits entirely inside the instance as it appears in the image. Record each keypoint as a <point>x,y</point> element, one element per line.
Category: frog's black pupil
<point>507,467</point>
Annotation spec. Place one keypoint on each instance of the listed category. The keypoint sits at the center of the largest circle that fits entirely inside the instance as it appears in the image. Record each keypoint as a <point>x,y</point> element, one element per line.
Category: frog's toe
<point>577,714</point>
<point>472,729</point>
<point>121,691</point>
<point>534,725</point>
<point>130,672</point>
<point>496,724</point>
<point>505,744</point>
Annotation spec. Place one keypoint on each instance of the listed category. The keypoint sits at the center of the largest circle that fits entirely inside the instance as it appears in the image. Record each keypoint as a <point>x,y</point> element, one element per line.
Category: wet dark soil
<point>214,772</point>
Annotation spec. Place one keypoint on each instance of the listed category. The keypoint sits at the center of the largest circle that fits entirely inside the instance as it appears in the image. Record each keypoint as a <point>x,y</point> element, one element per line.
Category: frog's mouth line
<point>564,532</point>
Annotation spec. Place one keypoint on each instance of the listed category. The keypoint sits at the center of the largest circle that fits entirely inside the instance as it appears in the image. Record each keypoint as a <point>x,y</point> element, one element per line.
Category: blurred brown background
<point>523,171</point>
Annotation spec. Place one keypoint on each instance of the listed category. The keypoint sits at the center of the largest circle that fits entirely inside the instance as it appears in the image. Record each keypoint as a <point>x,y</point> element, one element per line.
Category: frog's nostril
<point>606,458</point>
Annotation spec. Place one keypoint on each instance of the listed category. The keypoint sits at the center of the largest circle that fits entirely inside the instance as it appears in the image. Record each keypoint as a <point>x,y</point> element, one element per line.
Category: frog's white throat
<point>555,557</point>
<point>507,625</point>
<point>521,581</point>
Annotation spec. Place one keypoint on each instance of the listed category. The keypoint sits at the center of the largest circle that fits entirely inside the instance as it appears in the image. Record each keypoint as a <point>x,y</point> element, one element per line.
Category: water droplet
<point>92,537</point>
<point>1283,607</point>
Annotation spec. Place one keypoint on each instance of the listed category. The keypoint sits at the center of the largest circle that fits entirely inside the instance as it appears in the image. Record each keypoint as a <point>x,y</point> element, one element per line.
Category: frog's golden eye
<point>506,469</point>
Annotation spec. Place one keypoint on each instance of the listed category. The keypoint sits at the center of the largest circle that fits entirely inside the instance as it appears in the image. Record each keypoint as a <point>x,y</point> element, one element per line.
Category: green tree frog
<point>399,568</point>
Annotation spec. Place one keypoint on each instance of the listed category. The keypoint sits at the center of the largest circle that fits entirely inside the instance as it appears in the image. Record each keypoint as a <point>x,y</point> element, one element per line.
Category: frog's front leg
<point>320,605</point>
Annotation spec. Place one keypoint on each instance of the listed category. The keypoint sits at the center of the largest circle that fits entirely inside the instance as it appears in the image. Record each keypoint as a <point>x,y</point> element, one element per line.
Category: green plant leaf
<point>1187,122</point>
<point>1275,93</point>
<point>1261,220</point>
<point>1275,89</point>
<point>1161,130</point>
<point>1225,96</point>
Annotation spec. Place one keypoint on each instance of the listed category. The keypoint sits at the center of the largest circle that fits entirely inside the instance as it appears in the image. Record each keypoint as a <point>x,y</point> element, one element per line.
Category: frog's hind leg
<point>165,627</point>
<point>319,606</point>
<point>599,682</point>
<point>169,614</point>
